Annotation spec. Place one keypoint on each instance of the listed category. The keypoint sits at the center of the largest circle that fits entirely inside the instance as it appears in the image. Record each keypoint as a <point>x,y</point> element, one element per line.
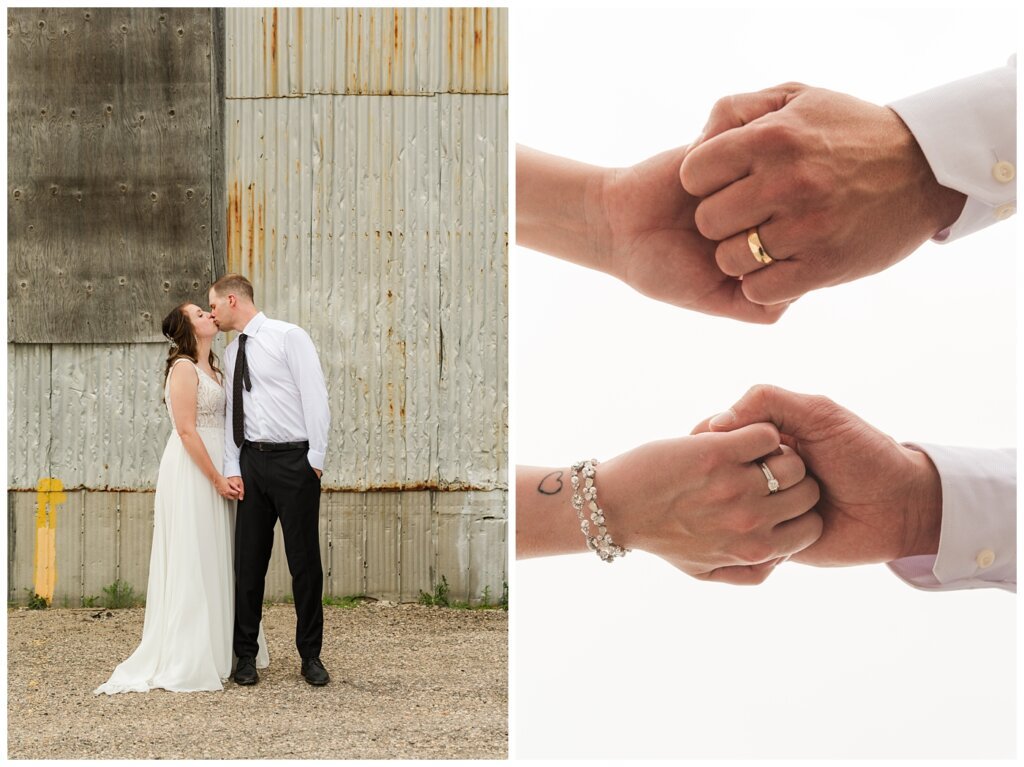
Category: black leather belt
<point>269,447</point>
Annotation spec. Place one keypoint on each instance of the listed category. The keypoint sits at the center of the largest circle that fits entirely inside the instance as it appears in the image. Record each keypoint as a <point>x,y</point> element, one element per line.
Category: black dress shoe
<point>245,671</point>
<point>315,672</point>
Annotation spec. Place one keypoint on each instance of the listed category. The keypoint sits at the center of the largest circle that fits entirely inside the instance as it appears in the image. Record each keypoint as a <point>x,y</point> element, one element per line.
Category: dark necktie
<point>241,374</point>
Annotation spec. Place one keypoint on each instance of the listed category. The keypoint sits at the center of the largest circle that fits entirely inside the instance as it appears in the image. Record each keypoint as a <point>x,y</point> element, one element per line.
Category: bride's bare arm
<point>635,223</point>
<point>184,398</point>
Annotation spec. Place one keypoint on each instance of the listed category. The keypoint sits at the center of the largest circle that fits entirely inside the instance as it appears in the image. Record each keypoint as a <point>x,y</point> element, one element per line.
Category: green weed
<point>120,595</point>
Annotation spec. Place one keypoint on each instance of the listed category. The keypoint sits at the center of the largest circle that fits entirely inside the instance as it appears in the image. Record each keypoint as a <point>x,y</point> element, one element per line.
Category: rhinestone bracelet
<point>602,542</point>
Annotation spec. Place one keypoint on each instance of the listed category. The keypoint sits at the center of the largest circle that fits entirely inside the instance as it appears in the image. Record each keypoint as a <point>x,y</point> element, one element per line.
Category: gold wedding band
<point>757,248</point>
<point>773,484</point>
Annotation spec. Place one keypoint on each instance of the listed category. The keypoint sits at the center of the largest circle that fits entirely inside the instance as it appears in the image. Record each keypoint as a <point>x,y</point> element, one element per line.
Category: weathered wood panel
<point>110,159</point>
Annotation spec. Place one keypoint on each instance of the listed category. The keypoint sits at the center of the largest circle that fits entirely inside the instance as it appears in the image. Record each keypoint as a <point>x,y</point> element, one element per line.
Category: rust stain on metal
<point>234,226</point>
<point>396,54</point>
<point>252,223</point>
<point>273,53</point>
<point>260,208</point>
<point>491,47</point>
<point>388,487</point>
<point>263,24</point>
<point>298,48</point>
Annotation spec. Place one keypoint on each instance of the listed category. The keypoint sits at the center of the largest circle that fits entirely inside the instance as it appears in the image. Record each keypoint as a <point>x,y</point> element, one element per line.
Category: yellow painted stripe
<point>50,493</point>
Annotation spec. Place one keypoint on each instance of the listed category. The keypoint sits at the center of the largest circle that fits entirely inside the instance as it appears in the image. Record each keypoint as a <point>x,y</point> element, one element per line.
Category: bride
<point>186,636</point>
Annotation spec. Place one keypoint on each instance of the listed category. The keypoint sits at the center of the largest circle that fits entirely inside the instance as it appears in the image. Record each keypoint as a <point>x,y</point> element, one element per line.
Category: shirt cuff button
<point>1003,172</point>
<point>985,558</point>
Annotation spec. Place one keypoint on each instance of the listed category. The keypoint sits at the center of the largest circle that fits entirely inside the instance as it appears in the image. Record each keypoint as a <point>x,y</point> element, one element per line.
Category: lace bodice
<point>210,402</point>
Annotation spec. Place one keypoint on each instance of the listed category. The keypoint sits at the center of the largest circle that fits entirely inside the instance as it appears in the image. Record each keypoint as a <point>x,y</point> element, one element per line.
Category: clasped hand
<point>847,493</point>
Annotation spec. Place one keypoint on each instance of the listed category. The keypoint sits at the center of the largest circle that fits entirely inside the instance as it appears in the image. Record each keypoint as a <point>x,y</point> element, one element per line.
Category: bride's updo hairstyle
<point>177,328</point>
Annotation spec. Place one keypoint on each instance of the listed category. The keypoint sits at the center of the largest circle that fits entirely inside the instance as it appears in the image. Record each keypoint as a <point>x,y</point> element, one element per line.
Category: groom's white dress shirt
<point>968,132</point>
<point>978,538</point>
<point>288,400</point>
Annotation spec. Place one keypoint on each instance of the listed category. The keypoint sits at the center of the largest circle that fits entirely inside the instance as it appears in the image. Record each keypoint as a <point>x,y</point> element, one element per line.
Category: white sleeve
<point>309,377</point>
<point>232,467</point>
<point>968,133</point>
<point>978,539</point>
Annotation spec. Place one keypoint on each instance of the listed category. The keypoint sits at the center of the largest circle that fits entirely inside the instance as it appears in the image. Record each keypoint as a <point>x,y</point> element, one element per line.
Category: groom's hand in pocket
<point>238,486</point>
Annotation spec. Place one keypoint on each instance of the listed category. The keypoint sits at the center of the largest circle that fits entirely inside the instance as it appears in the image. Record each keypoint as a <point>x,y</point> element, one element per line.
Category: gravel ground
<point>406,682</point>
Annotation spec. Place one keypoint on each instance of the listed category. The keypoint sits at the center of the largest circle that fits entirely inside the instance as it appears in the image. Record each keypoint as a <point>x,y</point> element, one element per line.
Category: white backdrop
<point>637,659</point>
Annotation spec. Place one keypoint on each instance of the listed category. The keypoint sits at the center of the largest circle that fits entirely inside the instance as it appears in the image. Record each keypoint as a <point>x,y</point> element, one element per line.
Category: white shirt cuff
<point>232,469</point>
<point>968,132</point>
<point>978,538</point>
<point>316,459</point>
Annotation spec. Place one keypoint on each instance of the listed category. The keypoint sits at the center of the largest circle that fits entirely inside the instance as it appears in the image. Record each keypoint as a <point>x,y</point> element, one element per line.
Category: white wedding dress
<point>190,606</point>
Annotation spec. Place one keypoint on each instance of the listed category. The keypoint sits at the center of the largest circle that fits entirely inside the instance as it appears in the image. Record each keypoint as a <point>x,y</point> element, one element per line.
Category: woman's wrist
<point>616,497</point>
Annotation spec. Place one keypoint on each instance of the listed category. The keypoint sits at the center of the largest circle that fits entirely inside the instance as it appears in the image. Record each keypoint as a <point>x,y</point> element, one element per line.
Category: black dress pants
<point>278,485</point>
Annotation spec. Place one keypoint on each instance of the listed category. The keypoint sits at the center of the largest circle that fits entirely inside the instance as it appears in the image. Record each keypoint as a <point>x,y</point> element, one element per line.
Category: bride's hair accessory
<point>587,496</point>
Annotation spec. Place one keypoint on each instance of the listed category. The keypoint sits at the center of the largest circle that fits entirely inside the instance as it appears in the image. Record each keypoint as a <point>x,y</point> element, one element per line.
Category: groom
<point>274,448</point>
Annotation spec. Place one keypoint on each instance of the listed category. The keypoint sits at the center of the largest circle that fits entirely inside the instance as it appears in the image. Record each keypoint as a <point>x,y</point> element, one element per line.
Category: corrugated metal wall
<point>379,223</point>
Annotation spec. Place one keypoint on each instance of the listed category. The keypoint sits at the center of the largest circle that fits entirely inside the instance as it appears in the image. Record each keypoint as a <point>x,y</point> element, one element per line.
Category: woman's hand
<point>704,504</point>
<point>225,488</point>
<point>635,223</point>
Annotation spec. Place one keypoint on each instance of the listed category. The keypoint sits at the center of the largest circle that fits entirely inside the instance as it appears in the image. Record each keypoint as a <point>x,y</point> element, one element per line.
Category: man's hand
<point>319,473</point>
<point>880,501</point>
<point>633,223</point>
<point>237,486</point>
<point>838,189</point>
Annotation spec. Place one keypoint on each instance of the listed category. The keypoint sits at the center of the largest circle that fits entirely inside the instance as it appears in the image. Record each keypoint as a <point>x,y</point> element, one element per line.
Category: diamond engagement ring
<point>773,484</point>
<point>759,251</point>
